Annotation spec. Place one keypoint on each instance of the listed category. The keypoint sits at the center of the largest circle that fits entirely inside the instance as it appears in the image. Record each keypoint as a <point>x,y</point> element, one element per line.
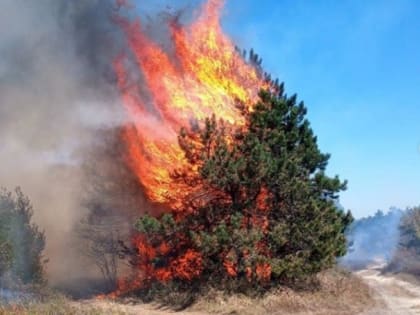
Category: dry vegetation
<point>336,292</point>
<point>55,305</point>
<point>339,292</point>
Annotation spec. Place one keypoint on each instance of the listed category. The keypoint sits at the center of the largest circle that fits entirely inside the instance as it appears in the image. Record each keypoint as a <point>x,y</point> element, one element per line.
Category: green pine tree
<point>265,213</point>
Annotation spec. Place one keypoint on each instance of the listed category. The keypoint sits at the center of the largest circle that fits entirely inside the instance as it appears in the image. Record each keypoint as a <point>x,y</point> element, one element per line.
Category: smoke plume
<point>61,118</point>
<point>56,90</point>
<point>373,240</point>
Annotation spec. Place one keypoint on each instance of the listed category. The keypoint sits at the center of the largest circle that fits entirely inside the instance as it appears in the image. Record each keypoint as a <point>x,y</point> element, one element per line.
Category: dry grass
<point>409,265</point>
<point>55,305</point>
<point>339,293</point>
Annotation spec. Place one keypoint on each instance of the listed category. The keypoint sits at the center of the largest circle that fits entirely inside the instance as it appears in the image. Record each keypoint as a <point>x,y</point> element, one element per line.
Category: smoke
<point>56,90</point>
<point>373,239</point>
<point>61,118</point>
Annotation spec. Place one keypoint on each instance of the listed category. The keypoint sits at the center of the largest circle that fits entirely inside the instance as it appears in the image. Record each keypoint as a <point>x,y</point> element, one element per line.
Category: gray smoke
<point>60,119</point>
<point>56,90</point>
<point>373,240</point>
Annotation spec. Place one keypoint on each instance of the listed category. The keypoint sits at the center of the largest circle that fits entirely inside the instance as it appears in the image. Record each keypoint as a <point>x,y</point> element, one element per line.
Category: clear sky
<point>356,64</point>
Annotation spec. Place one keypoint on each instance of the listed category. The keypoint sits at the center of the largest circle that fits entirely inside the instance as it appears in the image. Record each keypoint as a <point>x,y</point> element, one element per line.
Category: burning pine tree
<point>230,157</point>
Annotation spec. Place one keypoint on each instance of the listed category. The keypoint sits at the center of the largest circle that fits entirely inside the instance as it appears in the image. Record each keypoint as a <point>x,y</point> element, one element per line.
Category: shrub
<point>21,242</point>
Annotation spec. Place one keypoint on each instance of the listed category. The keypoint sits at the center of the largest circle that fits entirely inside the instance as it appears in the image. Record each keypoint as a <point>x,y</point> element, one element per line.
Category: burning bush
<point>260,211</point>
<point>21,243</point>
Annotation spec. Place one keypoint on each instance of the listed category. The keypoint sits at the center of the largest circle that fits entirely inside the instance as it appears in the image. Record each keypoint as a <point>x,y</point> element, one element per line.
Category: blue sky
<point>356,64</point>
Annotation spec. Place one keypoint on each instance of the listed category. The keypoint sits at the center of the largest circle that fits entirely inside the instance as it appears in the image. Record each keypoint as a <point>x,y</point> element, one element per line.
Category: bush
<point>21,242</point>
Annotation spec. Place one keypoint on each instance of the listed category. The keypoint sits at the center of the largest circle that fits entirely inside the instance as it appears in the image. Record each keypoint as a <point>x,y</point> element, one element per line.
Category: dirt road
<point>394,296</point>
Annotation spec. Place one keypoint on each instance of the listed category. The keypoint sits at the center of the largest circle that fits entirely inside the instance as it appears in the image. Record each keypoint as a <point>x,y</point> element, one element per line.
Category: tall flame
<point>204,75</point>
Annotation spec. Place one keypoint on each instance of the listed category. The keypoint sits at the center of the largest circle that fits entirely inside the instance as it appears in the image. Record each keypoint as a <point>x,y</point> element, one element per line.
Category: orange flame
<point>203,76</point>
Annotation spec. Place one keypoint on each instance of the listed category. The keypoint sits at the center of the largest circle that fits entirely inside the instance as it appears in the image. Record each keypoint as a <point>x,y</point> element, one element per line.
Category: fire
<point>185,266</point>
<point>202,75</point>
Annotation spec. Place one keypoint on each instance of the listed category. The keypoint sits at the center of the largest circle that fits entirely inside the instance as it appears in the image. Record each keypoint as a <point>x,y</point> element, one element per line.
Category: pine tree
<point>265,212</point>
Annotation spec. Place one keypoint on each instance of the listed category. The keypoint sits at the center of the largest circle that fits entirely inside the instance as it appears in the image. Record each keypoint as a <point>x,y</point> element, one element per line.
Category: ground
<point>393,295</point>
<point>366,292</point>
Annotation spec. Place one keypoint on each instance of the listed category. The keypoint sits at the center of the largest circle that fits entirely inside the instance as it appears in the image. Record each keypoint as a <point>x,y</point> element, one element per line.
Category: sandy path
<point>394,296</point>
